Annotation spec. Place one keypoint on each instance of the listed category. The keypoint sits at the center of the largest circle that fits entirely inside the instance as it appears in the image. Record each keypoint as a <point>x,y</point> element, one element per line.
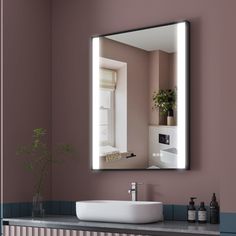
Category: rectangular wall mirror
<point>140,97</point>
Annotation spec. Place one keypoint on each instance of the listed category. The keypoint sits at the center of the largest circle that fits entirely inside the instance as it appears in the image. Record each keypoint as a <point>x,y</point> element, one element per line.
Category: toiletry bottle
<point>202,213</point>
<point>214,210</point>
<point>191,211</point>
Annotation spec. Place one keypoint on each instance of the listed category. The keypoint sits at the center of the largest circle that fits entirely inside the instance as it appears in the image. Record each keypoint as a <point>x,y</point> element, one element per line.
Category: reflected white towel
<point>113,156</point>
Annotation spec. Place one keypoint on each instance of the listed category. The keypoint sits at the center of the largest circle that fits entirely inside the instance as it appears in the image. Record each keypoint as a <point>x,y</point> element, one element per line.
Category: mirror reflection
<point>140,97</point>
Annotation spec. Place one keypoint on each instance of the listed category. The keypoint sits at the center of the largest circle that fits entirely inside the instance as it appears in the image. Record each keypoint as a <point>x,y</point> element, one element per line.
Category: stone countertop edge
<point>158,228</point>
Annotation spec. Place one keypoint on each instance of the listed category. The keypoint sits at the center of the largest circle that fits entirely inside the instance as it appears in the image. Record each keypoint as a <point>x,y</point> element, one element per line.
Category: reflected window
<point>107,107</point>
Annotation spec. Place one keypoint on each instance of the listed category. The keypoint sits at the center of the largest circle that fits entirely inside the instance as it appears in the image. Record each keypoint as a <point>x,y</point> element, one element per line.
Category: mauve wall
<point>227,107</point>
<point>27,88</point>
<point>73,24</point>
<point>27,95</point>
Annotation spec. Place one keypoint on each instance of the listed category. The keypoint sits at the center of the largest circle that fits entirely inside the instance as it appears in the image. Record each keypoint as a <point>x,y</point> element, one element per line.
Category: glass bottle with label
<point>202,213</point>
<point>191,211</point>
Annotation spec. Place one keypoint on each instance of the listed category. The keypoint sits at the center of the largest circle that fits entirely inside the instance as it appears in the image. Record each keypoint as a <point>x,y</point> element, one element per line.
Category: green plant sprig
<point>39,157</point>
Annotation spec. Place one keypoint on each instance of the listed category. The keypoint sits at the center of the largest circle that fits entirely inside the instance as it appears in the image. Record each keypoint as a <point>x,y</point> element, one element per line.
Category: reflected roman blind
<point>108,78</point>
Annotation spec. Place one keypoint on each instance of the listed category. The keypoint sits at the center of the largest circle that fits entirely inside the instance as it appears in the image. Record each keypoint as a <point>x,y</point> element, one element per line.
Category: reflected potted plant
<point>165,101</point>
<point>38,158</point>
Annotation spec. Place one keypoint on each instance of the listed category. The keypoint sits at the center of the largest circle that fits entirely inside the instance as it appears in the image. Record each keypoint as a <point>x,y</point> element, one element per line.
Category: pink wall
<point>27,88</point>
<point>27,95</point>
<point>73,24</point>
<point>227,50</point>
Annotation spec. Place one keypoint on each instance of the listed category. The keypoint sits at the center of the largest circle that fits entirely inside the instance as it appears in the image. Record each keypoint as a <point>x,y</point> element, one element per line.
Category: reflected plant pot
<point>170,118</point>
<point>37,206</point>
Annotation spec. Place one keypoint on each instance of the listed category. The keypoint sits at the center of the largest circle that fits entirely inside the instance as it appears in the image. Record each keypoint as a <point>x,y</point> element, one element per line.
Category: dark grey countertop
<point>159,228</point>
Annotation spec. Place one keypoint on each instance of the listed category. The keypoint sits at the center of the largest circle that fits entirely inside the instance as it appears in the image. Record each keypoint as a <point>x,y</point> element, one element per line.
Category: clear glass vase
<point>37,206</point>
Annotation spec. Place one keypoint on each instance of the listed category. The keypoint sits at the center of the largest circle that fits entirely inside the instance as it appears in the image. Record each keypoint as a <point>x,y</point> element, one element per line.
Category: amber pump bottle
<point>214,210</point>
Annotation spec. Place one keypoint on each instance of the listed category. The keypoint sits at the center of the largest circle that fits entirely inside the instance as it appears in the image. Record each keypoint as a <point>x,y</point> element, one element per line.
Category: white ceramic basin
<point>120,211</point>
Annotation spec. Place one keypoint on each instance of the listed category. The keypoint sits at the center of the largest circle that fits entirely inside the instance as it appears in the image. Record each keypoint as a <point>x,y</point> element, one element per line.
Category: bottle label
<point>202,216</point>
<point>191,215</point>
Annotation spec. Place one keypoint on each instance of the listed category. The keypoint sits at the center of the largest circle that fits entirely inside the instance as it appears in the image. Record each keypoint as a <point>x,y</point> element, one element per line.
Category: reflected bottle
<point>170,118</point>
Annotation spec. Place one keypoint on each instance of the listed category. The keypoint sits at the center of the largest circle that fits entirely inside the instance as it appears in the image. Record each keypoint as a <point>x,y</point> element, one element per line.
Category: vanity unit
<point>71,226</point>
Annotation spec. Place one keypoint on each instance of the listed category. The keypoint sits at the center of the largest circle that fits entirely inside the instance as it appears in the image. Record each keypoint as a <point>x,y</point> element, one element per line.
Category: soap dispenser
<point>192,211</point>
